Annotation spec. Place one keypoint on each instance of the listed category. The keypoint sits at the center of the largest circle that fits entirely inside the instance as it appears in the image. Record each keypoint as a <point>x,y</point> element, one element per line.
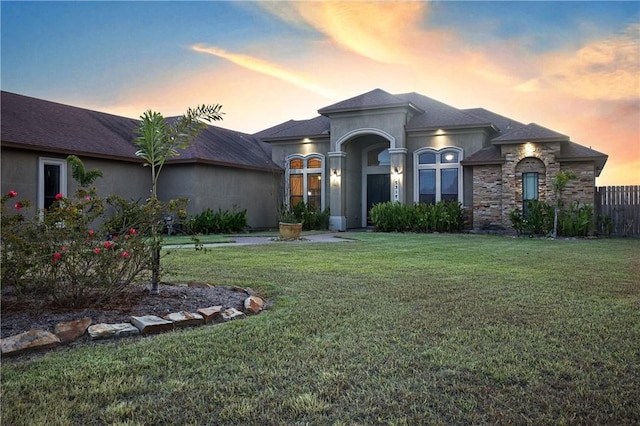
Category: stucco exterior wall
<point>20,172</point>
<point>390,122</point>
<point>224,188</point>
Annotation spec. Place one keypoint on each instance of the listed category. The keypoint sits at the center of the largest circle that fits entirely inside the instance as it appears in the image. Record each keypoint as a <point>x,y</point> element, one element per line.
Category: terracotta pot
<point>290,231</point>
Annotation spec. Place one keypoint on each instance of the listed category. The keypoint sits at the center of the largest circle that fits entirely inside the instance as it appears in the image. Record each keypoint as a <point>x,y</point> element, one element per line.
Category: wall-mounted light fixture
<point>335,172</point>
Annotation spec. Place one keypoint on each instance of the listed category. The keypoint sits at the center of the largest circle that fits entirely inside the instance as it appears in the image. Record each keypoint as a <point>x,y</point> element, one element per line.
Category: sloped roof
<point>36,124</point>
<point>48,126</point>
<point>501,123</point>
<point>530,133</point>
<point>437,115</point>
<point>318,126</point>
<point>488,155</point>
<point>374,99</point>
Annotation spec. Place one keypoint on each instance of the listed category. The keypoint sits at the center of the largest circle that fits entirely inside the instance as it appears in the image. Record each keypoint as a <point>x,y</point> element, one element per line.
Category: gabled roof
<point>35,124</point>
<point>375,99</point>
<point>530,133</point>
<point>315,127</point>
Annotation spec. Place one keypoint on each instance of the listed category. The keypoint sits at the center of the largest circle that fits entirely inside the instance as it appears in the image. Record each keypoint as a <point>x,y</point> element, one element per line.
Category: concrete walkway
<point>249,240</point>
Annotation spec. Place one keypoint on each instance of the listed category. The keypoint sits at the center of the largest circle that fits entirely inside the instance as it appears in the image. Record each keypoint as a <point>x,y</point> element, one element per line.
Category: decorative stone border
<point>67,332</point>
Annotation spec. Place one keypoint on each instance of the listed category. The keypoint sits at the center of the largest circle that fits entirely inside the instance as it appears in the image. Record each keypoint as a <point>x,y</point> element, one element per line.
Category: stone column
<point>337,193</point>
<point>398,157</point>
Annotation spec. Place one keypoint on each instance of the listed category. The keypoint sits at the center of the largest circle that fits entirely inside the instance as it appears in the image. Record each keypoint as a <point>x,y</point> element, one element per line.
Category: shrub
<point>573,221</point>
<point>311,216</point>
<point>58,252</point>
<point>518,222</point>
<point>444,216</point>
<point>576,220</point>
<point>222,221</point>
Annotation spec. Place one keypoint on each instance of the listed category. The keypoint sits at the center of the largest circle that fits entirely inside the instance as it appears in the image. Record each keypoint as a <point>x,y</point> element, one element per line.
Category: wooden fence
<point>618,206</point>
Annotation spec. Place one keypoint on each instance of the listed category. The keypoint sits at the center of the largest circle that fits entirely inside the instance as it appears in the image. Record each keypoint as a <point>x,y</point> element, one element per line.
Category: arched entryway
<point>376,178</point>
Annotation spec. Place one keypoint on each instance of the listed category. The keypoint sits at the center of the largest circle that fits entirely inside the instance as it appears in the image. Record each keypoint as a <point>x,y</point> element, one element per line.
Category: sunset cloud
<point>607,69</point>
<point>265,67</point>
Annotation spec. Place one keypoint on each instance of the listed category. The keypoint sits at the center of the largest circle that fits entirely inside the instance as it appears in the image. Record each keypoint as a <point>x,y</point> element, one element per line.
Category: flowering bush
<point>59,251</point>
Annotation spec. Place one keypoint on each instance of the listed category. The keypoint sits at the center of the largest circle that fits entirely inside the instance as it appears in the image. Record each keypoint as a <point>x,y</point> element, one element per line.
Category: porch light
<point>306,140</point>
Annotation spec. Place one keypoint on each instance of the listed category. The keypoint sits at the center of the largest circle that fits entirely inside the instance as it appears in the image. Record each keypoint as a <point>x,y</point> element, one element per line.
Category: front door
<point>378,191</point>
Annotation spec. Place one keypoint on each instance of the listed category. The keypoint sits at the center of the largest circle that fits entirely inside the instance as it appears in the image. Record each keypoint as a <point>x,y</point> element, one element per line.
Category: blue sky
<point>569,66</point>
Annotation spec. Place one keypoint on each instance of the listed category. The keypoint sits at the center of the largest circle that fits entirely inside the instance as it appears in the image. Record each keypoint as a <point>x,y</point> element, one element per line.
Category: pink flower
<point>12,194</point>
<point>126,237</point>
<point>108,244</point>
<point>132,231</point>
<point>18,206</point>
<point>64,248</point>
<point>125,254</point>
<point>59,196</point>
<point>87,198</point>
<point>91,232</point>
<point>56,256</point>
<point>96,250</point>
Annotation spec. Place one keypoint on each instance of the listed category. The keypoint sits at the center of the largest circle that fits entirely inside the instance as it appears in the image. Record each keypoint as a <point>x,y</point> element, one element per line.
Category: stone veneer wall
<point>487,196</point>
<point>512,179</point>
<point>581,189</point>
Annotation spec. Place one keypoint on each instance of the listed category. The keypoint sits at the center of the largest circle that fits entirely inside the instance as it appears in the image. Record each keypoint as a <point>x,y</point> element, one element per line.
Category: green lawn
<point>390,329</point>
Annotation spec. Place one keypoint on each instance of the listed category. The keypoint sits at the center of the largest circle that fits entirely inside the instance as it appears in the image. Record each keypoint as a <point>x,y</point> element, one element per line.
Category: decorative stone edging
<point>67,332</point>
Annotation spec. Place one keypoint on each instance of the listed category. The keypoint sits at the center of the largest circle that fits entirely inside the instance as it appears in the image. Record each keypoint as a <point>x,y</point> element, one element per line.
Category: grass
<point>390,329</point>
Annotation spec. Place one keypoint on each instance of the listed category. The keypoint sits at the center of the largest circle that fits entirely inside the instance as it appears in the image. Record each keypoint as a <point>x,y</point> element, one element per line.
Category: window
<point>438,175</point>
<point>529,189</point>
<point>52,180</point>
<point>304,179</point>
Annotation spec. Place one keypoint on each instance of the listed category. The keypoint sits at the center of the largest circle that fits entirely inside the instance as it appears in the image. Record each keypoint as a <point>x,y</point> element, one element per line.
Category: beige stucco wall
<point>225,188</point>
<point>20,173</point>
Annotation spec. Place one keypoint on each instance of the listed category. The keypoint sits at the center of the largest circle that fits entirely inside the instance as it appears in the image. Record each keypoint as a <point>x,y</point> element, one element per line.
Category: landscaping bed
<point>38,313</point>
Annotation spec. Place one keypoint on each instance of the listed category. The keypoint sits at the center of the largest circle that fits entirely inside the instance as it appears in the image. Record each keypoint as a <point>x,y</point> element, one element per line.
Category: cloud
<point>264,67</point>
<point>381,31</point>
<point>606,69</point>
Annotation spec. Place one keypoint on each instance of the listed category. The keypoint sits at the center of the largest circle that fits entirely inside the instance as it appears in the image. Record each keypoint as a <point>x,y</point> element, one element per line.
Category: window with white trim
<point>52,180</point>
<point>304,180</point>
<point>438,175</point>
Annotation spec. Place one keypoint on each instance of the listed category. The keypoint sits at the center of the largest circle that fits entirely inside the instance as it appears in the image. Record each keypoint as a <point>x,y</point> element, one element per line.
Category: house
<point>409,148</point>
<point>371,148</point>
<point>221,169</point>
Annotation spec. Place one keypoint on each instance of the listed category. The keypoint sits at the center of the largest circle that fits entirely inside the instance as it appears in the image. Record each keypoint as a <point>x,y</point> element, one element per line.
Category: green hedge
<point>444,216</point>
<point>222,221</point>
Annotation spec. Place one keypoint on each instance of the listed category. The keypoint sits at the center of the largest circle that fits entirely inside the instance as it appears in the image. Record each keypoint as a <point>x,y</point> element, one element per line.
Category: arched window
<point>533,177</point>
<point>304,180</point>
<point>438,175</point>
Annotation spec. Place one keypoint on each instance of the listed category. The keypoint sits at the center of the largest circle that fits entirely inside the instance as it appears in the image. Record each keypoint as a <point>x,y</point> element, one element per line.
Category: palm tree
<point>158,140</point>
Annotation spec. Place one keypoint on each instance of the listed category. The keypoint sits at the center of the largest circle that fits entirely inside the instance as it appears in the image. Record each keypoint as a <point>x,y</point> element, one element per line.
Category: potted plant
<point>290,226</point>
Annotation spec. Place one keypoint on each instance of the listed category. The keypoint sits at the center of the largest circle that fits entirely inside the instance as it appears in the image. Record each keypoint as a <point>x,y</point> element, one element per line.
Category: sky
<point>573,67</point>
